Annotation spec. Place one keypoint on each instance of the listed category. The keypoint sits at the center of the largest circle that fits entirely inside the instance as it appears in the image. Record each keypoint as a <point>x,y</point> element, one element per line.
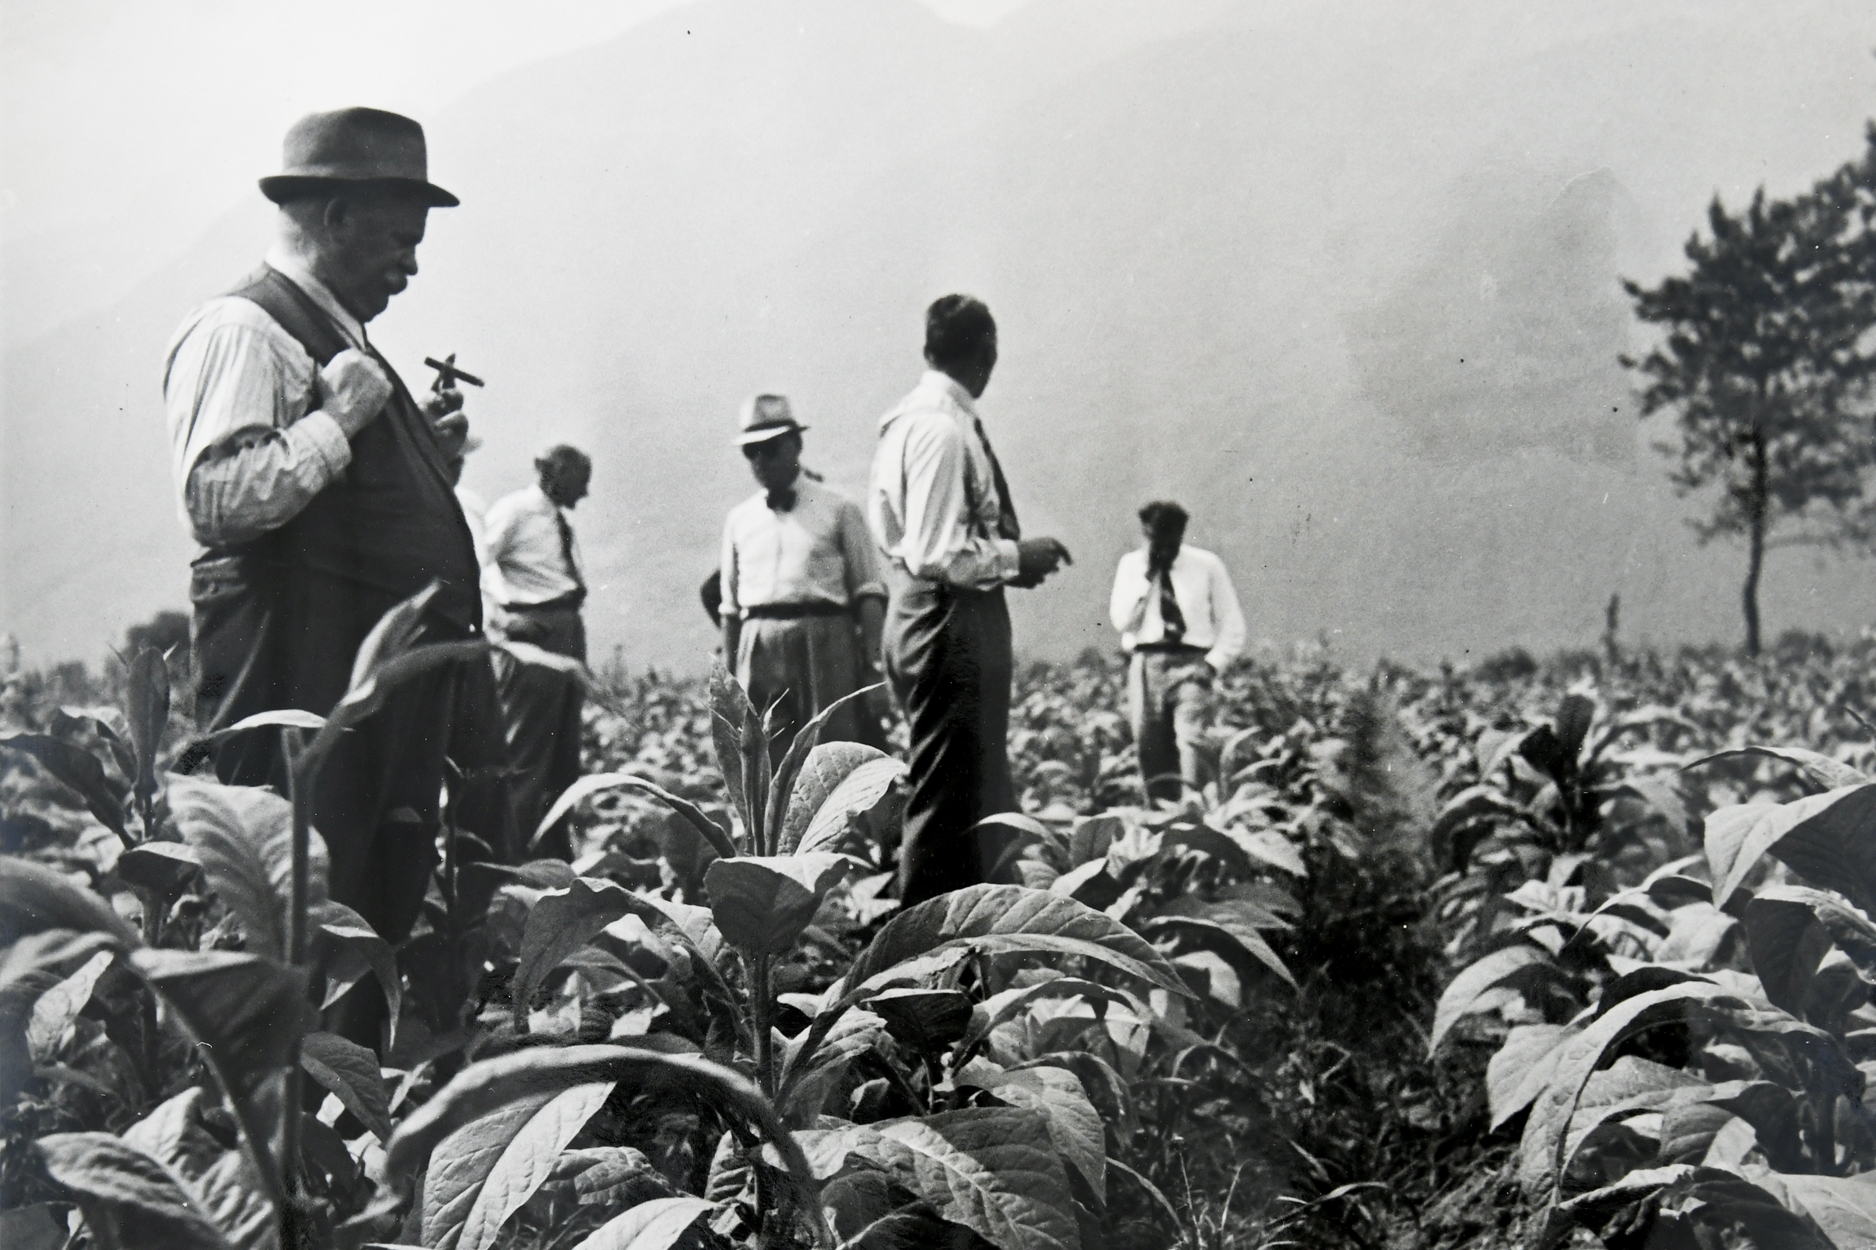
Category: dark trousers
<point>268,639</point>
<point>948,658</point>
<point>541,721</point>
<point>1168,698</point>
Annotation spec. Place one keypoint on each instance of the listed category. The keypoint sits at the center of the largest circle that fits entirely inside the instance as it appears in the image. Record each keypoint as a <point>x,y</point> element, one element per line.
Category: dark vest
<point>392,523</point>
<point>279,619</point>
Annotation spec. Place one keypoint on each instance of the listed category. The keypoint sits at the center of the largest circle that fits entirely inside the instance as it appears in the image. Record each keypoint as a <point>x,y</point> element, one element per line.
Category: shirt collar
<point>949,387</point>
<point>294,268</point>
<point>539,499</point>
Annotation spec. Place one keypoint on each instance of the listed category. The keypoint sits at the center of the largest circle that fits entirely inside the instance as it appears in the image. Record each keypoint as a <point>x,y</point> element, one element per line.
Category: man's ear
<point>338,217</point>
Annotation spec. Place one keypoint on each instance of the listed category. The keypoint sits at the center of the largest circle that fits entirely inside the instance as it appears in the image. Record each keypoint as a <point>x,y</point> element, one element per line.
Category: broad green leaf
<point>1828,838</point>
<point>279,718</point>
<point>165,867</point>
<point>825,767</point>
<point>618,1176</point>
<point>221,1181</point>
<point>782,791</point>
<point>1820,770</point>
<point>559,923</point>
<point>79,771</point>
<point>1522,1067</point>
<point>1232,913</point>
<point>1238,752</point>
<point>1074,1125</point>
<point>1539,1153</point>
<point>394,635</point>
<point>1629,1085</point>
<point>345,929</point>
<point>762,903</point>
<point>243,836</point>
<point>859,799</point>
<point>928,1020</point>
<point>484,1088</point>
<point>146,707</point>
<point>481,1174</point>
<point>351,1072</point>
<point>34,899</point>
<point>804,1085</point>
<point>247,1012</point>
<point>1008,1004</point>
<point>654,1225</point>
<point>1267,846</point>
<point>594,783</point>
<point>129,1199</point>
<point>1786,942</point>
<point>729,713</point>
<point>994,1170</point>
<point>1009,919</point>
<point>1236,943</point>
<point>1462,996</point>
<point>59,1006</point>
<point>1843,1207</point>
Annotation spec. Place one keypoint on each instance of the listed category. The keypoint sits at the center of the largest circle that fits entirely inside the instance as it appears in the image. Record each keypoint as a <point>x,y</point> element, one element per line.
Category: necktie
<point>566,552</point>
<point>1007,526</point>
<point>1170,616</point>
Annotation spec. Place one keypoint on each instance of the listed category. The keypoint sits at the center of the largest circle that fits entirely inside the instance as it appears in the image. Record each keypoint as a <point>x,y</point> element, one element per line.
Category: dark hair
<point>1163,516</point>
<point>956,329</point>
<point>562,456</point>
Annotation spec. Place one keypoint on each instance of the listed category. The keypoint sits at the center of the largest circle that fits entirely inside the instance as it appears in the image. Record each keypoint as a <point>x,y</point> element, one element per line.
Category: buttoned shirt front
<point>245,453</point>
<point>932,499</point>
<point>527,564</point>
<point>818,551</point>
<point>1208,601</point>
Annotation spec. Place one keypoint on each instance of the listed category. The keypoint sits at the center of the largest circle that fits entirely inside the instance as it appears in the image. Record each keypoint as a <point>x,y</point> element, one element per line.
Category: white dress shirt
<point>526,563</point>
<point>818,551</point>
<point>1214,621</point>
<point>932,502</point>
<point>237,387</point>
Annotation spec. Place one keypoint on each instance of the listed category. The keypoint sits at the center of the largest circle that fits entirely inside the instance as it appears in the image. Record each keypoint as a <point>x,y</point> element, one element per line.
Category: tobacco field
<point>1522,954</point>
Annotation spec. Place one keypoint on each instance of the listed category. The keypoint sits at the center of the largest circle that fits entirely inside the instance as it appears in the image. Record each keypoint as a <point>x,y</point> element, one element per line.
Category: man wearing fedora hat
<point>802,599</point>
<point>320,492</point>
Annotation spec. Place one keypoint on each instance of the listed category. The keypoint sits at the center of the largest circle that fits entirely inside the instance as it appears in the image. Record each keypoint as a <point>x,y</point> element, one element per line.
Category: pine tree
<point>1764,364</point>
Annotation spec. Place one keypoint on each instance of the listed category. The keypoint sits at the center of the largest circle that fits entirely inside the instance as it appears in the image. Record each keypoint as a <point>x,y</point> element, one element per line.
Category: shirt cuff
<point>327,440</point>
<point>1219,659</point>
<point>1009,558</point>
<point>875,589</point>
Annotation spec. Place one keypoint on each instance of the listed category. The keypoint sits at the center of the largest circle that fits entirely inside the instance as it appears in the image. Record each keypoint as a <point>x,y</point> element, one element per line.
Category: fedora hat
<point>765,417</point>
<point>357,146</point>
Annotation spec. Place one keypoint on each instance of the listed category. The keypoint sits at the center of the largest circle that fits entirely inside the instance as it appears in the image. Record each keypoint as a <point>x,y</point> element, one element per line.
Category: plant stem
<point>761,1010</point>
<point>299,795</point>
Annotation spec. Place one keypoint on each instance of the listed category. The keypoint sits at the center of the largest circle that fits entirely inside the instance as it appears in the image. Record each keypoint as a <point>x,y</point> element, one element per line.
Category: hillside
<point>1349,291</point>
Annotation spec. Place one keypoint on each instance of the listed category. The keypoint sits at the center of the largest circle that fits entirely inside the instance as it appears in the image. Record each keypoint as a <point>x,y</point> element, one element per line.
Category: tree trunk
<point>1755,541</point>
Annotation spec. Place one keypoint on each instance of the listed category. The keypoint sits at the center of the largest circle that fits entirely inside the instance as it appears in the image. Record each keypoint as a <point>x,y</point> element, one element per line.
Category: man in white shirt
<point>535,587</point>
<point>940,509</point>
<point>1179,618</point>
<point>319,491</point>
<point>802,601</point>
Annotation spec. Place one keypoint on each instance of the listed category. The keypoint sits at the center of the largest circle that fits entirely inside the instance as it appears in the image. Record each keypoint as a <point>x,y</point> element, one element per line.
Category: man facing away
<point>536,587</point>
<point>320,494</point>
<point>940,508</point>
<point>802,600</point>
<point>1179,618</point>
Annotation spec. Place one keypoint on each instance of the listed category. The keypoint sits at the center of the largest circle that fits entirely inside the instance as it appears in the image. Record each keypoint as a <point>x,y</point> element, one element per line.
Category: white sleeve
<point>1126,606</point>
<point>938,542</point>
<point>1229,643</point>
<point>246,465</point>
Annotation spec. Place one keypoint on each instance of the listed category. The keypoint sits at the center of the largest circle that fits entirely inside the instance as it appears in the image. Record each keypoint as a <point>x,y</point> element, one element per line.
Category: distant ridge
<point>1239,254</point>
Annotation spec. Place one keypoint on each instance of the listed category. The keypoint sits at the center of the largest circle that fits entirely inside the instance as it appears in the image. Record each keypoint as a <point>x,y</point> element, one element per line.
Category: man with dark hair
<point>320,493</point>
<point>940,508</point>
<point>802,598</point>
<point>1178,616</point>
<point>535,587</point>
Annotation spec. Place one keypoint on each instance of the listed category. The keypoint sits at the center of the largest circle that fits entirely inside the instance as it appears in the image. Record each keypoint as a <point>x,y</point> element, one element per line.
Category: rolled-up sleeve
<point>732,600</point>
<point>245,459</point>
<point>1126,605</point>
<point>939,543</point>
